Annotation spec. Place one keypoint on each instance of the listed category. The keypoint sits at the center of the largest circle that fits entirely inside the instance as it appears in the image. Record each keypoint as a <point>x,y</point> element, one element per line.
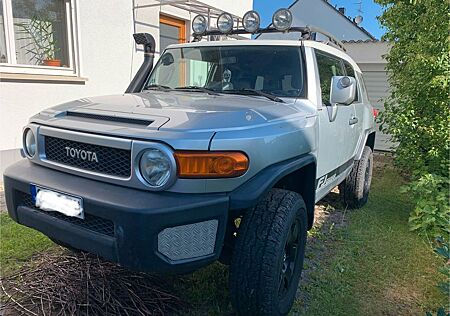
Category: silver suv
<point>220,151</point>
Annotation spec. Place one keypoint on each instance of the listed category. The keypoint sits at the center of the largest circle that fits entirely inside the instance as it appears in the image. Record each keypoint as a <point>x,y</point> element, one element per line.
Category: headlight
<point>225,23</point>
<point>157,167</point>
<point>282,19</point>
<point>29,143</point>
<point>199,25</point>
<point>251,21</point>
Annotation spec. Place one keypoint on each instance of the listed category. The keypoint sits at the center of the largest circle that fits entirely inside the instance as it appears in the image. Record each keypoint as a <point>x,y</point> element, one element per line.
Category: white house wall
<point>106,46</point>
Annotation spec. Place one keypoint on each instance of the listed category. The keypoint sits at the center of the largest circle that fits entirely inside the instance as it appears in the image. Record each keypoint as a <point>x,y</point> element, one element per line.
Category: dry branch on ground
<point>82,284</point>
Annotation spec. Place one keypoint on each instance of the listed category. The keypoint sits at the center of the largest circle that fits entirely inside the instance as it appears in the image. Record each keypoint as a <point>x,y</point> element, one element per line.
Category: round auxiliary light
<point>29,143</point>
<point>225,23</point>
<point>282,19</point>
<point>199,25</point>
<point>156,167</point>
<point>251,21</point>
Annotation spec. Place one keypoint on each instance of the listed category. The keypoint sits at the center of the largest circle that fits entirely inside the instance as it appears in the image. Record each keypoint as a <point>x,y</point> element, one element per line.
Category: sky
<point>370,11</point>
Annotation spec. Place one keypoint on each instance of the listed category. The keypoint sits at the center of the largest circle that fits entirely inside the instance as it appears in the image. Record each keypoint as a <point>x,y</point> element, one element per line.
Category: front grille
<point>90,222</point>
<point>108,160</point>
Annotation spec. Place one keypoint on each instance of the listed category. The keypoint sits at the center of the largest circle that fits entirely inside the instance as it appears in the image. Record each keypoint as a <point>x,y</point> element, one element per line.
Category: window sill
<point>39,78</point>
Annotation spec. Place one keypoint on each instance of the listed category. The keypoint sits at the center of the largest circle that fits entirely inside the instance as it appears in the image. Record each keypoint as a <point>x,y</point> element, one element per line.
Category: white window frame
<point>11,65</point>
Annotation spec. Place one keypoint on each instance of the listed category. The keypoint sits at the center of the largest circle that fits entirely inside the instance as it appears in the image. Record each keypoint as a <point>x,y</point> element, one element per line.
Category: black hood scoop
<point>110,118</point>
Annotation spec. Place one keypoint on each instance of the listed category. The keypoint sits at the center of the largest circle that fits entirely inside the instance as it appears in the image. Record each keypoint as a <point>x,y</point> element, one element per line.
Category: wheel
<point>354,190</point>
<point>268,256</point>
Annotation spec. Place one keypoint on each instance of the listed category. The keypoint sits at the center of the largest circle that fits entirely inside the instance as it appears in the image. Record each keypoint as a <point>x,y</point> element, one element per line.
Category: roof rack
<point>307,33</point>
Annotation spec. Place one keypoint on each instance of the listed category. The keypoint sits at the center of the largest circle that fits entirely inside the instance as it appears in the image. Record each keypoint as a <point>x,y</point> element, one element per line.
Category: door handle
<point>353,121</point>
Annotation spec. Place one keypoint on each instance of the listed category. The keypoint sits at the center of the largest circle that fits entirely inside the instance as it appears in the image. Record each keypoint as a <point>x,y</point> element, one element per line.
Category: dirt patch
<point>400,298</point>
<point>382,160</point>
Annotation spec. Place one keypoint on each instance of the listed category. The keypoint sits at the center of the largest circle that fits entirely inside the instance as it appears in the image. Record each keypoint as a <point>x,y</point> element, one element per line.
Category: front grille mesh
<point>111,161</point>
<point>90,222</point>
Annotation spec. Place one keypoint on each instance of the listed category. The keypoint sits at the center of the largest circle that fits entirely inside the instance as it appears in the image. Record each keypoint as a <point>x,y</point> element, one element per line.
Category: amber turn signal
<point>211,164</point>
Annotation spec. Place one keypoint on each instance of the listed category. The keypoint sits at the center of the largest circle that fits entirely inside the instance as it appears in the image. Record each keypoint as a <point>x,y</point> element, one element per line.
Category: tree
<point>417,114</point>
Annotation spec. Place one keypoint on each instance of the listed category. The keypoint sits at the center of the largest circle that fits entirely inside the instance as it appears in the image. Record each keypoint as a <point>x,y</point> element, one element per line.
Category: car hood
<point>149,113</point>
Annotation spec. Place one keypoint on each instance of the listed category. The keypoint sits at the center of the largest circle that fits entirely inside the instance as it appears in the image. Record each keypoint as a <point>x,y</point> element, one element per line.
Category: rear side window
<point>328,66</point>
<point>351,72</point>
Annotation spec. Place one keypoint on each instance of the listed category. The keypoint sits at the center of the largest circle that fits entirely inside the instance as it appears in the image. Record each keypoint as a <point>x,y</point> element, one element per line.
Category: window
<point>328,66</point>
<point>171,31</point>
<point>3,52</point>
<point>232,69</point>
<point>36,35</point>
<point>349,69</point>
<point>362,85</point>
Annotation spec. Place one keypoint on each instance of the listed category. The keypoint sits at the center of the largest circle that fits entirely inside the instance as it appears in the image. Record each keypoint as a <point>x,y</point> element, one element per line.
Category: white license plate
<point>53,201</point>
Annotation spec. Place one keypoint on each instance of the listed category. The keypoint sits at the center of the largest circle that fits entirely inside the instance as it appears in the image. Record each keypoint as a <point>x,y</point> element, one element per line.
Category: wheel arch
<point>302,181</point>
<point>369,140</point>
<point>297,174</point>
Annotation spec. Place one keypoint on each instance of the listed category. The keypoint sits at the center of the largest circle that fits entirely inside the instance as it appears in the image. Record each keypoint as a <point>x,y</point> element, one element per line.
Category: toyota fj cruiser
<point>218,152</point>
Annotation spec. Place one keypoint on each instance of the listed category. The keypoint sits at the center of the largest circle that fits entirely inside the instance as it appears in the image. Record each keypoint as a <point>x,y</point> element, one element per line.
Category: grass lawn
<point>375,265</point>
<point>371,265</point>
<point>18,243</point>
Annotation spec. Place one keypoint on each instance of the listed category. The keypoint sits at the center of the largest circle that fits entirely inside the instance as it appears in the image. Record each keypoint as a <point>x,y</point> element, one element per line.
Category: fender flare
<point>360,150</point>
<point>251,192</point>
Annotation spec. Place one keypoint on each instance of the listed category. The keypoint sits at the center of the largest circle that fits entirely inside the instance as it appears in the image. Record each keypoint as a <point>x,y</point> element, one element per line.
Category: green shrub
<point>443,251</point>
<point>417,114</point>
<point>431,214</point>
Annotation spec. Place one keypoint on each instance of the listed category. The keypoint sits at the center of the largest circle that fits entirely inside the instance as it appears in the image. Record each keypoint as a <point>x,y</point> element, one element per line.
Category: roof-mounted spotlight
<point>251,21</point>
<point>199,25</point>
<point>282,19</point>
<point>225,23</point>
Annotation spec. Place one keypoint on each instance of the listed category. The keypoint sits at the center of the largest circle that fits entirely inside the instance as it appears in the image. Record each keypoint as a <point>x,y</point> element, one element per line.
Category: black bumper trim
<point>68,233</point>
<point>138,217</point>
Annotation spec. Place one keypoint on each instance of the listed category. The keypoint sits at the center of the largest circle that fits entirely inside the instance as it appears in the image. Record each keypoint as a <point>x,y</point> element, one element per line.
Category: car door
<point>336,136</point>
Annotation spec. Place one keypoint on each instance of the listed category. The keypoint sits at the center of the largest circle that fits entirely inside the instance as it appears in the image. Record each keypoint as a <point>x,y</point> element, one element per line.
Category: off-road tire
<point>260,255</point>
<point>354,190</point>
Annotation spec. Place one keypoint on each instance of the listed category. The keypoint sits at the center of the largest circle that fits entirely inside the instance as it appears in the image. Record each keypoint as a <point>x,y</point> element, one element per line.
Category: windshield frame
<point>302,63</point>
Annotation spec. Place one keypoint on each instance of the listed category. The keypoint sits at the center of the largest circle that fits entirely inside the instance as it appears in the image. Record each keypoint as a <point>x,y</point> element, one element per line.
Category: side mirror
<point>343,90</point>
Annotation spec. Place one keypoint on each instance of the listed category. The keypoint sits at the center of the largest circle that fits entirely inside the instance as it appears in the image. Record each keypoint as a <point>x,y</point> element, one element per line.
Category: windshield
<point>274,70</point>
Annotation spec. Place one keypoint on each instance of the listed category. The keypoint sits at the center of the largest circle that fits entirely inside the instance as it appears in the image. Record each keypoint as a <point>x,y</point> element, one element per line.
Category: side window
<point>362,85</point>
<point>328,66</point>
<point>351,72</point>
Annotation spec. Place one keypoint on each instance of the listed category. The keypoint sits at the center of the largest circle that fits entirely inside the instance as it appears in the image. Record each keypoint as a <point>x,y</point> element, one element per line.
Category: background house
<point>369,56</point>
<point>363,47</point>
<point>94,46</point>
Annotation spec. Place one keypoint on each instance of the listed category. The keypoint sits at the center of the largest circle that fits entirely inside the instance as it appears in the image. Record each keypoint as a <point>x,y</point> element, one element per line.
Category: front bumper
<point>155,232</point>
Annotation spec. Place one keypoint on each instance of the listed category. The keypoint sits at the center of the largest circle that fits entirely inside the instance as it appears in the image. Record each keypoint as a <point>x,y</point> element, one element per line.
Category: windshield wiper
<point>157,86</point>
<point>246,91</point>
<point>202,89</point>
